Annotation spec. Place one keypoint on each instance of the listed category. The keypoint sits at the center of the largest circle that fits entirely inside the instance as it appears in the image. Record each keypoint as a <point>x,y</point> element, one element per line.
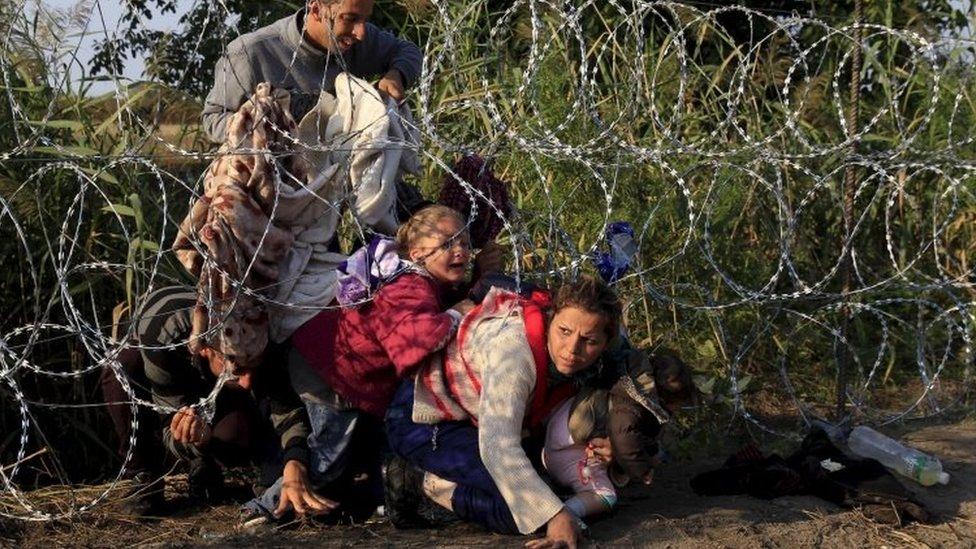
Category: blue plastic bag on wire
<point>614,264</point>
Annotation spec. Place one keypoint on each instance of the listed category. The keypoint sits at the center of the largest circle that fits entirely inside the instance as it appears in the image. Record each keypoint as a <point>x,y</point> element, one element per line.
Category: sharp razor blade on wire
<point>704,135</point>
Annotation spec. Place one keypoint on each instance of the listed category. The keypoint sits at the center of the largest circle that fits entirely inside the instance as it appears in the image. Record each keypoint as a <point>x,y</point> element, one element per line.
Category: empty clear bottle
<point>922,468</point>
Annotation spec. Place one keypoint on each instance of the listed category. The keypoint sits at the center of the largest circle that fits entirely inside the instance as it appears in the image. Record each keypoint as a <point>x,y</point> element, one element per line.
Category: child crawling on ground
<point>631,414</point>
<point>347,361</point>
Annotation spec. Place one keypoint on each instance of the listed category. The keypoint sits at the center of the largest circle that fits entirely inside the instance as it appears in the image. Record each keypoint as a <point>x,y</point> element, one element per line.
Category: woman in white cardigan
<point>462,419</point>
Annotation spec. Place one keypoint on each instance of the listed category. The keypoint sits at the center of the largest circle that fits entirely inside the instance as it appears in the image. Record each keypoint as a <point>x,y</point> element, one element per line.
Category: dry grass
<point>665,515</point>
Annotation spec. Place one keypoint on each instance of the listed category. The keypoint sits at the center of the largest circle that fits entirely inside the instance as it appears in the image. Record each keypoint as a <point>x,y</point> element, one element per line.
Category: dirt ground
<point>667,514</point>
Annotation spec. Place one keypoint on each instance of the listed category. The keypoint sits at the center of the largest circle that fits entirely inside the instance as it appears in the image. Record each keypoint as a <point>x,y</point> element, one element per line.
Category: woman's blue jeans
<point>449,449</point>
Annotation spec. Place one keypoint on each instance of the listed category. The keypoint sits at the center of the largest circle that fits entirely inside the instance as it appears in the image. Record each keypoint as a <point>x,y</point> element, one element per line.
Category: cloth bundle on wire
<point>358,146</point>
<point>258,238</point>
<point>229,239</point>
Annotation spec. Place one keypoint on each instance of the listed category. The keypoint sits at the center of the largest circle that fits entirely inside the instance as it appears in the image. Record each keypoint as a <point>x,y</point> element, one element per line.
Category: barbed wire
<point>763,120</point>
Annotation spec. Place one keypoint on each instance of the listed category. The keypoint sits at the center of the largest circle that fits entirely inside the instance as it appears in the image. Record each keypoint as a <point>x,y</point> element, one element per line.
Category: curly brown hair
<point>592,295</point>
<point>673,379</point>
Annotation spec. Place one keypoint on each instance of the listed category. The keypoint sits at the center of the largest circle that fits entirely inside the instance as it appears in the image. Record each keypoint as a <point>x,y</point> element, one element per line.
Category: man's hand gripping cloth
<point>230,239</point>
<point>270,213</point>
<point>357,145</point>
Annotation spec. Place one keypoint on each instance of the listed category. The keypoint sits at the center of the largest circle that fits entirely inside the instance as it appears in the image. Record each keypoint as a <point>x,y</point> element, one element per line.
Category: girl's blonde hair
<point>423,223</point>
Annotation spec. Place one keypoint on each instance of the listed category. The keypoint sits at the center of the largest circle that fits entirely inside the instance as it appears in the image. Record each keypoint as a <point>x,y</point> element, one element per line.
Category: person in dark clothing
<point>852,482</point>
<point>635,420</point>
<point>144,466</point>
<point>629,416</point>
<point>256,415</point>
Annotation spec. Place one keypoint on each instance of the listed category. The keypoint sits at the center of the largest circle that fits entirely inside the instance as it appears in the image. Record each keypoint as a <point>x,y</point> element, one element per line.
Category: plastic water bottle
<point>923,469</point>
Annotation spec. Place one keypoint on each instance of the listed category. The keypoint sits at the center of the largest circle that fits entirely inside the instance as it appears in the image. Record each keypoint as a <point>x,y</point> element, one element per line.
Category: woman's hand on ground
<point>297,494</point>
<point>189,428</point>
<point>562,532</point>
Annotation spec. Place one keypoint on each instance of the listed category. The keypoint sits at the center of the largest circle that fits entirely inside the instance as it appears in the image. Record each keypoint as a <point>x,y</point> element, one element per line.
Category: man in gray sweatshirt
<point>303,53</point>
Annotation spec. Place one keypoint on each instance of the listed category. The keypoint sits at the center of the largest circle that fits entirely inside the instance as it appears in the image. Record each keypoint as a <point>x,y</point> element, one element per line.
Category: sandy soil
<point>665,515</point>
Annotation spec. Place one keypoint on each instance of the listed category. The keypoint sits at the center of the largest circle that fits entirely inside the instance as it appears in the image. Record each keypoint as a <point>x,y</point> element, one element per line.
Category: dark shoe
<point>367,490</point>
<point>435,515</point>
<point>205,480</point>
<point>403,494</point>
<point>144,498</point>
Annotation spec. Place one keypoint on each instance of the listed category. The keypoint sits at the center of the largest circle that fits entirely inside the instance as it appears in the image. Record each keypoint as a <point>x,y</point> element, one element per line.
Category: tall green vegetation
<point>700,132</point>
<point>81,224</point>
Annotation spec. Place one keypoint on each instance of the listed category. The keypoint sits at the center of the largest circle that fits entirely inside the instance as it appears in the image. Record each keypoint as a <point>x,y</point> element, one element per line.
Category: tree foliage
<point>185,58</point>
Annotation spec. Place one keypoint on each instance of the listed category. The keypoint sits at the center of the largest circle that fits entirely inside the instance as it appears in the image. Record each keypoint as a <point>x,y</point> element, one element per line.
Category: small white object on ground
<point>831,465</point>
